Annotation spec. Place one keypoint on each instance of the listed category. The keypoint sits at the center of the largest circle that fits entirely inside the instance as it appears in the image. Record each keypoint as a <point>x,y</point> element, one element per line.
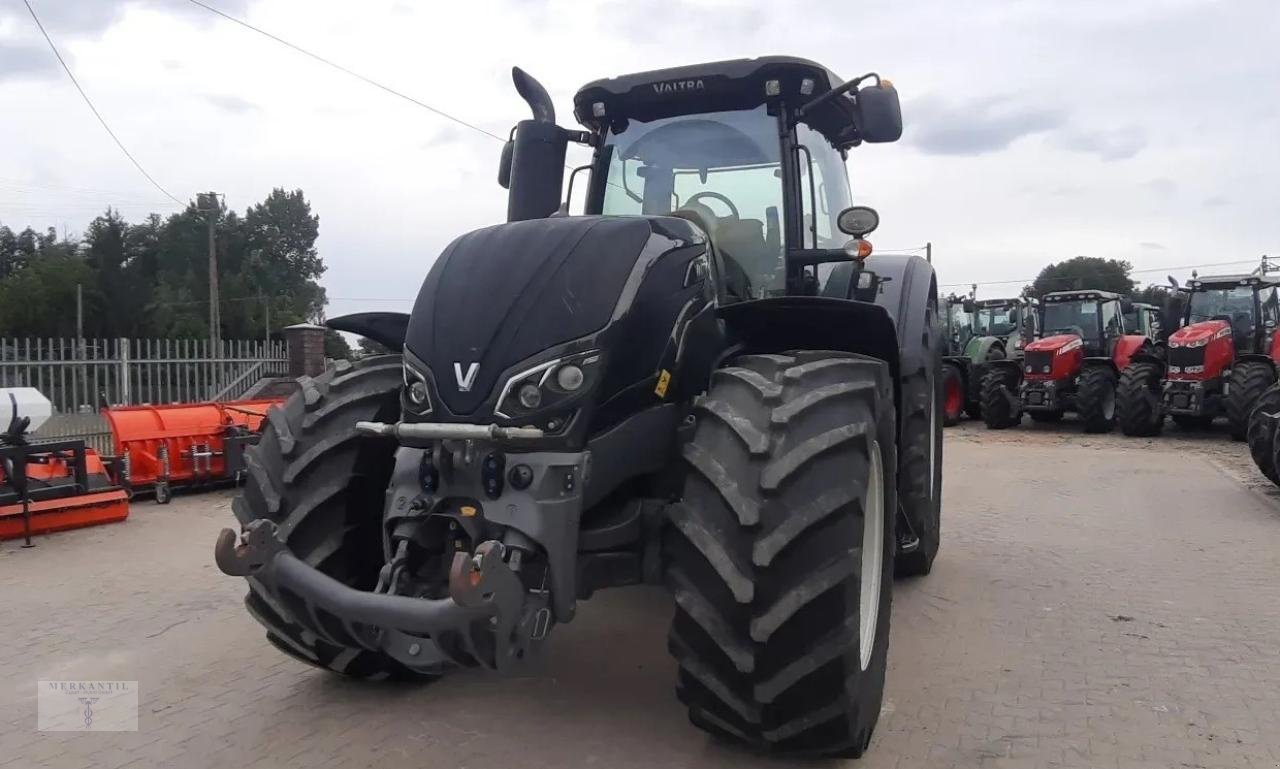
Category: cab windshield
<point>722,170</point>
<point>1079,318</point>
<point>996,321</point>
<point>1234,305</point>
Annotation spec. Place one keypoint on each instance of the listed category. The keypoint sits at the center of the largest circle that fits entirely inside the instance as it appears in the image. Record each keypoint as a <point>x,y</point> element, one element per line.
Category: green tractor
<point>978,332</point>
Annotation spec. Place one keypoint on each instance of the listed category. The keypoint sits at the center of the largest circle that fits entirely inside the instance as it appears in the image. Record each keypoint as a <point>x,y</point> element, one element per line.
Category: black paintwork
<point>516,295</point>
<point>716,86</point>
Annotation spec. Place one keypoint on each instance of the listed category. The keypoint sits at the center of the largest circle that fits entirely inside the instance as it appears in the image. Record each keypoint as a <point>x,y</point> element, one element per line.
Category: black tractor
<point>704,382</point>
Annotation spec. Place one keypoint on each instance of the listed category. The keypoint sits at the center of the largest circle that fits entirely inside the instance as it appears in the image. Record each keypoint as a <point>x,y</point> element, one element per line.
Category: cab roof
<point>1087,293</point>
<point>1231,281</point>
<point>1006,302</point>
<point>720,86</point>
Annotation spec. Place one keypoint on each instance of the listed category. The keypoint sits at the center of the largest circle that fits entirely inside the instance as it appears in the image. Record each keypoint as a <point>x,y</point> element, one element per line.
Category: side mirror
<point>879,117</point>
<point>858,221</point>
<point>504,164</point>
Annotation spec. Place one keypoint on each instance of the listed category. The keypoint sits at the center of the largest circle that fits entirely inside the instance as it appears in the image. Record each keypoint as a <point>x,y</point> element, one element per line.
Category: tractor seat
<point>743,241</point>
<point>737,279</point>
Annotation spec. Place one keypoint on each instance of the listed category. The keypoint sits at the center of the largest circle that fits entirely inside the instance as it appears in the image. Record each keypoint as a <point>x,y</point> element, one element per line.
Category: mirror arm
<point>839,90</point>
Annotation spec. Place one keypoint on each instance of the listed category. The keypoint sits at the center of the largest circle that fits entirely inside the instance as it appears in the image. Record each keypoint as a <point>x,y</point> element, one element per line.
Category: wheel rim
<point>872,558</point>
<point>953,398</point>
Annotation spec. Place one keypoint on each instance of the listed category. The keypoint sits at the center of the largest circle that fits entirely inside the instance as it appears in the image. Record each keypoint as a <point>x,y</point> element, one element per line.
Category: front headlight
<point>417,397</point>
<point>1198,342</point>
<point>548,384</point>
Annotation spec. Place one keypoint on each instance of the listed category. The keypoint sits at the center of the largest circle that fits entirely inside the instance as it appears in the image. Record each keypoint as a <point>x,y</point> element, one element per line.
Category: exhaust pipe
<point>533,161</point>
<point>535,95</point>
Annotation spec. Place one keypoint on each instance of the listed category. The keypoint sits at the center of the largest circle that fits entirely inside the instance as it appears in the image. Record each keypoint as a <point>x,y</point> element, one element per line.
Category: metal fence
<point>80,376</point>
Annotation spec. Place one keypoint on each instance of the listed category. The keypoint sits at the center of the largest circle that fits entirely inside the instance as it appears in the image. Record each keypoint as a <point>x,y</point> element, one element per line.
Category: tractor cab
<point>1094,317</point>
<point>1010,323</point>
<point>1142,318</point>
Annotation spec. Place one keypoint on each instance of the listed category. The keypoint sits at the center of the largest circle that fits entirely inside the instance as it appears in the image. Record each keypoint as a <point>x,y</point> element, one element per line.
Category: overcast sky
<point>1036,130</point>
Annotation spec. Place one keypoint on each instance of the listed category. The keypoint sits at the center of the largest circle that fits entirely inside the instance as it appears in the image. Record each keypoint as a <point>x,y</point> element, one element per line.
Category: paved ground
<point>1122,612</point>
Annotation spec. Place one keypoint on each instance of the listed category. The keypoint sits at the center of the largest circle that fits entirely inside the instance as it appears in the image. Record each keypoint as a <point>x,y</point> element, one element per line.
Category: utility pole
<point>79,314</point>
<point>266,325</point>
<point>928,252</point>
<point>207,202</point>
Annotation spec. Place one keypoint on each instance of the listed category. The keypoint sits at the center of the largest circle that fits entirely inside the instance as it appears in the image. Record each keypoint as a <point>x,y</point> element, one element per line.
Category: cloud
<point>231,103</point>
<point>1162,187</point>
<point>1107,143</point>
<point>975,128</point>
<point>1216,201</point>
<point>19,60</point>
<point>1149,245</point>
<point>93,17</point>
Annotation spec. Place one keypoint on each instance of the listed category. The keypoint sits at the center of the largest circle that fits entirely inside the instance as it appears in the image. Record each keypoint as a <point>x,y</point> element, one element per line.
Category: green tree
<point>1083,272</point>
<point>367,346</point>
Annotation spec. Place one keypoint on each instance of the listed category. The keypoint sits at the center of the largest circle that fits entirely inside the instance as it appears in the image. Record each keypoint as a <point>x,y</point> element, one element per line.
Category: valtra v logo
<point>465,381</point>
<point>679,86</point>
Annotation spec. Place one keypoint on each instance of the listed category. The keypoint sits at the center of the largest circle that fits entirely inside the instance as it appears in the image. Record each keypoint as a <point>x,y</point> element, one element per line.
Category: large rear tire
<point>1000,406</point>
<point>325,487</point>
<point>1249,380</point>
<point>920,458</point>
<point>1096,399</point>
<point>781,627</point>
<point>1262,432</point>
<point>1138,407</point>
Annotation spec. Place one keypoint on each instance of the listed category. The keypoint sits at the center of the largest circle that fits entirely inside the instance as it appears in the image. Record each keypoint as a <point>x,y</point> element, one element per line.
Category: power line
<point>94,109</point>
<point>345,70</point>
<point>1142,271</point>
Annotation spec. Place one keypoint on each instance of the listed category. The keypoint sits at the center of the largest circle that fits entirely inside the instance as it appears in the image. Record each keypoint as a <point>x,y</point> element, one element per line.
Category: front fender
<point>1091,362</point>
<point>385,328</point>
<point>1126,347</point>
<point>980,347</point>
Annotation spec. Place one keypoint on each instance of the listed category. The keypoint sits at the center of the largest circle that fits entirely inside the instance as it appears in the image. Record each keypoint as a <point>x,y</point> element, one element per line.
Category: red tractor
<point>1075,367</point>
<point>1219,363</point>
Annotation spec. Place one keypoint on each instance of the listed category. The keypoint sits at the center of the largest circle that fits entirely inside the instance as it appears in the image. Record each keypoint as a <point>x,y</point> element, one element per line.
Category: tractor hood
<point>1199,333</point>
<point>499,296</point>
<point>1058,343</point>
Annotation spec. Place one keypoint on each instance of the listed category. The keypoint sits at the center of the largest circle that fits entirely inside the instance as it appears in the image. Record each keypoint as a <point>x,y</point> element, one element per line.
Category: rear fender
<point>979,348</point>
<point>385,328</point>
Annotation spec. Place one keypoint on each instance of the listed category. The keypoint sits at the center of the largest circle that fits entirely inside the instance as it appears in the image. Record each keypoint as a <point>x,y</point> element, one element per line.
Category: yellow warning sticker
<point>664,379</point>
<point>468,511</point>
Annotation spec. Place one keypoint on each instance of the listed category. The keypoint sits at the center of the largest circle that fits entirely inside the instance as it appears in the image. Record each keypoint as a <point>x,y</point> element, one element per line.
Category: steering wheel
<point>715,196</point>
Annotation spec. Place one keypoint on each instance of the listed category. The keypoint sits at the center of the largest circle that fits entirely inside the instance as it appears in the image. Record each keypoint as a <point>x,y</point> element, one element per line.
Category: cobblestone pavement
<point>1109,604</point>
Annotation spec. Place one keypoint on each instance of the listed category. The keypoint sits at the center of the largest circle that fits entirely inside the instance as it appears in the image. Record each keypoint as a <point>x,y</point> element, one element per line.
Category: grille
<point>1037,360</point>
<point>1182,357</point>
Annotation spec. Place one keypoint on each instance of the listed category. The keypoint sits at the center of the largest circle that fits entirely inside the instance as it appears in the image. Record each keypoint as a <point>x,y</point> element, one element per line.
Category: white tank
<point>24,402</point>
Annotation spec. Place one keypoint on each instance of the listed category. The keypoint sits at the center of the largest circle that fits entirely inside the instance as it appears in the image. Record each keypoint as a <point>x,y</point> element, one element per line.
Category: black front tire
<point>325,487</point>
<point>1096,399</point>
<point>1262,432</point>
<point>764,552</point>
<point>1249,380</point>
<point>1000,405</point>
<point>1138,401</point>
